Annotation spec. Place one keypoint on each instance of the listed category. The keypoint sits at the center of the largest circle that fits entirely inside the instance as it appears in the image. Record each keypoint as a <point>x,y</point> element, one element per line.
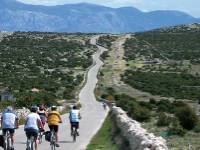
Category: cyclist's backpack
<point>47,136</point>
<point>1,140</point>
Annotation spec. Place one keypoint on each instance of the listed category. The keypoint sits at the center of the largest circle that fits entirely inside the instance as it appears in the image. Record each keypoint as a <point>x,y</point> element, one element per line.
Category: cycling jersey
<point>74,115</point>
<point>53,118</point>
<point>32,121</point>
<point>8,120</point>
<point>42,115</point>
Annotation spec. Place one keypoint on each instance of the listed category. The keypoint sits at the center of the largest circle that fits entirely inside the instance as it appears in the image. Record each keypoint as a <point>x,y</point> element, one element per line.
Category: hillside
<point>159,85</point>
<point>16,16</point>
<point>53,63</point>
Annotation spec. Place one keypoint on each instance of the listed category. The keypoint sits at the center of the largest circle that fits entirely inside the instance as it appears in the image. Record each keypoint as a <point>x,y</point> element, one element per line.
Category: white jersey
<point>74,115</point>
<point>32,121</point>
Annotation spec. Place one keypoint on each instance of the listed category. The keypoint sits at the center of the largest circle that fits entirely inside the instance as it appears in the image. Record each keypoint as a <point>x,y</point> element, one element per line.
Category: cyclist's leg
<point>77,128</point>
<point>56,131</point>
<point>12,131</point>
<point>55,128</point>
<point>36,140</point>
<point>71,123</point>
<point>34,133</point>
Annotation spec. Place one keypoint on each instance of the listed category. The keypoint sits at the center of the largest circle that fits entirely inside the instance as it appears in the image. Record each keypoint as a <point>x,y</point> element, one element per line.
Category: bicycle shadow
<point>20,142</point>
<point>65,142</point>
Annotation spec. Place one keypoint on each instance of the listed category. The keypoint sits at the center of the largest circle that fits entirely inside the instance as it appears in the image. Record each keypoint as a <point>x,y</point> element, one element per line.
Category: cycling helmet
<point>9,108</point>
<point>34,108</point>
<point>53,107</point>
<point>75,107</point>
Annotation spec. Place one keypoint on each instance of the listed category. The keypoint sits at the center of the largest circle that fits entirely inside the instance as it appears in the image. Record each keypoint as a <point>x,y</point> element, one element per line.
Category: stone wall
<point>139,138</point>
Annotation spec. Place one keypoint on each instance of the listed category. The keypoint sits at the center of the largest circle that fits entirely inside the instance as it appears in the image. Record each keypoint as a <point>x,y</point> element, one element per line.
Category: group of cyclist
<point>36,121</point>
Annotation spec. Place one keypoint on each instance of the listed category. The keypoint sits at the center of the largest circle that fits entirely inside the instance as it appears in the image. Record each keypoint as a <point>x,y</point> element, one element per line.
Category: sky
<point>191,7</point>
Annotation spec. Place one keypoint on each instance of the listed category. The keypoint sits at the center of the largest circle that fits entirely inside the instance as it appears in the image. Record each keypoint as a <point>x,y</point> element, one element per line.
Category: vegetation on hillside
<point>53,63</point>
<point>175,85</point>
<point>106,40</point>
<point>167,58</point>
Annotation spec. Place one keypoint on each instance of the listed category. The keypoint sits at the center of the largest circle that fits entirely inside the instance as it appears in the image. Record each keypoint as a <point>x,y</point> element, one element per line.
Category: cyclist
<point>42,113</point>
<point>74,117</point>
<point>9,121</point>
<point>33,124</point>
<point>104,105</point>
<point>53,120</point>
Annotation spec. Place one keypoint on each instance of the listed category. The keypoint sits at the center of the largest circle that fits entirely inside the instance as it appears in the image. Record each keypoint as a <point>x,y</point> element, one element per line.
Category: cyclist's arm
<point>17,122</point>
<point>1,121</point>
<point>39,123</point>
<point>60,118</point>
<point>79,115</point>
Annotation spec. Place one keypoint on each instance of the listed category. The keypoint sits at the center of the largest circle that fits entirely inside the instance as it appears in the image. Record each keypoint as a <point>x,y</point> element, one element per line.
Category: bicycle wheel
<point>53,140</point>
<point>40,137</point>
<point>28,145</point>
<point>32,144</point>
<point>53,146</point>
<point>6,140</point>
<point>5,144</point>
<point>9,142</point>
<point>74,135</point>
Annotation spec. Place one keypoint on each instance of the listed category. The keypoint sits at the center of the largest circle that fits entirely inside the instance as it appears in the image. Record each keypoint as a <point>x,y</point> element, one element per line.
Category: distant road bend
<point>92,112</point>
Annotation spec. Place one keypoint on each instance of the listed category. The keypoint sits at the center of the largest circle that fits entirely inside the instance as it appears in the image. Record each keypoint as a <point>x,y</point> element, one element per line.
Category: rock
<point>138,137</point>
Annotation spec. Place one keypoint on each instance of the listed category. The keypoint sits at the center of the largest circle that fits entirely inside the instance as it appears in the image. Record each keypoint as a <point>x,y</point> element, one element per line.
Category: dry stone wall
<point>139,138</point>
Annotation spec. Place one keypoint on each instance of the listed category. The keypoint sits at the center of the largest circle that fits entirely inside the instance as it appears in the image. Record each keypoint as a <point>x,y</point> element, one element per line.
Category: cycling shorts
<point>31,132</point>
<point>75,124</point>
<point>11,130</point>
<point>53,127</point>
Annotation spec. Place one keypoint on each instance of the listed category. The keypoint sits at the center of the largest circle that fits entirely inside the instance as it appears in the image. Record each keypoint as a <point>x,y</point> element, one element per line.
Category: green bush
<point>197,127</point>
<point>176,129</point>
<point>152,101</point>
<point>141,114</point>
<point>187,117</point>
<point>133,108</point>
<point>163,120</point>
<point>164,106</point>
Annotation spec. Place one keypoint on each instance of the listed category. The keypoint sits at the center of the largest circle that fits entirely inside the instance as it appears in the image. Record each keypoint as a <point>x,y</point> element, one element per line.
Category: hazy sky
<point>189,6</point>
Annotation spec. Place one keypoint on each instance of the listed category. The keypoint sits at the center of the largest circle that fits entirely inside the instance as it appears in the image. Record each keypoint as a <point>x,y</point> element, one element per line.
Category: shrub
<point>197,127</point>
<point>146,104</point>
<point>163,119</point>
<point>176,128</point>
<point>141,114</point>
<point>187,117</point>
<point>152,101</point>
<point>164,106</point>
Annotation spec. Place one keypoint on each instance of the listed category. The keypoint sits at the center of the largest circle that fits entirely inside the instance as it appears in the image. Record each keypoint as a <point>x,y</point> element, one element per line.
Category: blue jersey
<point>74,115</point>
<point>8,120</point>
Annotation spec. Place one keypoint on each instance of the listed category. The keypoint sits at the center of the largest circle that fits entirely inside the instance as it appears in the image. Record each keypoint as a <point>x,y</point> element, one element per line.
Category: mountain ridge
<point>85,17</point>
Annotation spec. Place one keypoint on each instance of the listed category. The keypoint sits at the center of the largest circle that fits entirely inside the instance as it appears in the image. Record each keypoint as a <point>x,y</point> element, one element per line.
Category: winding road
<point>92,112</point>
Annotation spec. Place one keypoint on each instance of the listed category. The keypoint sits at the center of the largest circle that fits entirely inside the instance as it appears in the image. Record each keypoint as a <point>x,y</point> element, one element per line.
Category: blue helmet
<point>34,108</point>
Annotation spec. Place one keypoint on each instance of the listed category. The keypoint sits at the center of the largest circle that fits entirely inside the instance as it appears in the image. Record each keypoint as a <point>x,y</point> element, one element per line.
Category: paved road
<point>92,113</point>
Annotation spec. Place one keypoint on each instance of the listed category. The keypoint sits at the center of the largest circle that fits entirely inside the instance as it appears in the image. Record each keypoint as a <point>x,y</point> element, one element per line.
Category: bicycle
<point>7,141</point>
<point>53,140</point>
<point>30,143</point>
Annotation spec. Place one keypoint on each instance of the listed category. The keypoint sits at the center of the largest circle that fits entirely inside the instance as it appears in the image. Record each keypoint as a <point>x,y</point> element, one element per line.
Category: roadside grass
<point>104,139</point>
